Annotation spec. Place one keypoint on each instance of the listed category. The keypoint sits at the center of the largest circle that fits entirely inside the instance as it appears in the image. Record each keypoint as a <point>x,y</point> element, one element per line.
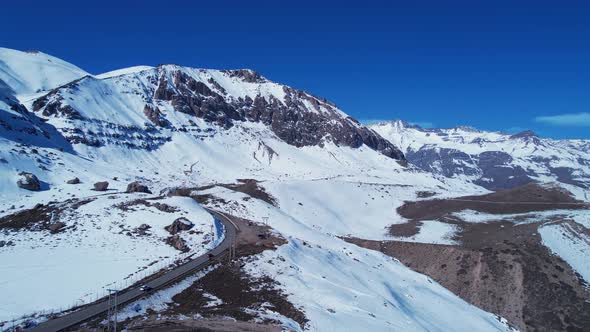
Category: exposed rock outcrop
<point>178,243</point>
<point>154,115</point>
<point>142,229</point>
<point>300,119</point>
<point>28,181</point>
<point>524,134</point>
<point>179,225</point>
<point>52,104</point>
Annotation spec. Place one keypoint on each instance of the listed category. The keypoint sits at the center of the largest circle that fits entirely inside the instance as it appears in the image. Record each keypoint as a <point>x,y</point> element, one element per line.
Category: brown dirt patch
<point>204,199</point>
<point>129,206</point>
<point>252,188</point>
<point>254,238</point>
<point>41,215</point>
<point>407,229</point>
<point>153,324</point>
<point>238,292</point>
<point>249,187</point>
<point>527,198</point>
<point>241,294</point>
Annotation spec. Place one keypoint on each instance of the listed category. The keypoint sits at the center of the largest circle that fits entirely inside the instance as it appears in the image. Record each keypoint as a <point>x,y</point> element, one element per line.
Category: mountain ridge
<point>494,160</point>
<point>218,96</point>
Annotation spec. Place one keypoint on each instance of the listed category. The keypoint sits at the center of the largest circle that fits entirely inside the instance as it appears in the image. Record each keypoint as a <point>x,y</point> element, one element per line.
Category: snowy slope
<point>32,72</point>
<point>170,126</point>
<point>342,287</point>
<point>571,241</point>
<point>492,159</point>
<point>37,269</point>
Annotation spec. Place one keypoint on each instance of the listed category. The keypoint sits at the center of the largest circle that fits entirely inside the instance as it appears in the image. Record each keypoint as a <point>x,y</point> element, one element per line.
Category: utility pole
<point>232,251</point>
<point>112,311</point>
<point>109,313</point>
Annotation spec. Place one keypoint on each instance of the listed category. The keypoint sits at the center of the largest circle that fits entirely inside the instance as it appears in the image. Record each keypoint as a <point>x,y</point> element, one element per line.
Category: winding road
<point>133,293</point>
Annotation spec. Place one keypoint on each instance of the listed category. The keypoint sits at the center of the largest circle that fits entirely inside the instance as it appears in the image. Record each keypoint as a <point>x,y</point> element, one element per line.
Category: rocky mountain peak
<point>247,75</point>
<point>524,134</point>
<point>468,129</point>
<point>139,104</point>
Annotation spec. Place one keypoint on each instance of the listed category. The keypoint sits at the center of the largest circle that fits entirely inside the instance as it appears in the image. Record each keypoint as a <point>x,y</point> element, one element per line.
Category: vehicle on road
<point>145,288</point>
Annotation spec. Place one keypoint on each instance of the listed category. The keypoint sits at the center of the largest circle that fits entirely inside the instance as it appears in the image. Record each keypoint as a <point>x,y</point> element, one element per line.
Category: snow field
<point>54,271</point>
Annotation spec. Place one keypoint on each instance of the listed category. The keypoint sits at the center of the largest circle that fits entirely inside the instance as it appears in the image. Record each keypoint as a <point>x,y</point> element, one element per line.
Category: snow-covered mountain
<point>266,153</point>
<point>150,103</point>
<point>493,160</point>
<point>33,72</point>
<point>171,126</point>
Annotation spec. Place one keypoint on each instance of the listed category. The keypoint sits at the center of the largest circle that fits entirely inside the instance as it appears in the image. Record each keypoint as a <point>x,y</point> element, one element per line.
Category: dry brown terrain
<point>500,266</point>
<point>528,198</point>
<point>239,293</point>
<point>205,325</point>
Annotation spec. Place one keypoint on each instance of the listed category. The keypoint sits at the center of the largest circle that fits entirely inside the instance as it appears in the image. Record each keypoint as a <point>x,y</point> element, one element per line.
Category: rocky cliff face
<point>223,98</point>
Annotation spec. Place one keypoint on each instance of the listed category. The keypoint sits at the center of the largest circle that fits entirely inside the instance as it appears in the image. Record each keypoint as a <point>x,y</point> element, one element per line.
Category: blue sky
<point>496,65</point>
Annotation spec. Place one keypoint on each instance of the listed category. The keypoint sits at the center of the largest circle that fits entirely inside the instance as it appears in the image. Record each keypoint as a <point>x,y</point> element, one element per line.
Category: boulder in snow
<point>142,229</point>
<point>136,187</point>
<point>73,181</point>
<point>28,181</point>
<point>56,227</point>
<point>101,186</point>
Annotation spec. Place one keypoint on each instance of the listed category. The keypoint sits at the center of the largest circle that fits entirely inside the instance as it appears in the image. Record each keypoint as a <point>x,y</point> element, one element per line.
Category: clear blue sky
<point>500,65</point>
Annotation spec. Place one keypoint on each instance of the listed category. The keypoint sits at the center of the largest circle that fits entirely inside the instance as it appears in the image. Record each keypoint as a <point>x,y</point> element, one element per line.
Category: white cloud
<point>566,120</point>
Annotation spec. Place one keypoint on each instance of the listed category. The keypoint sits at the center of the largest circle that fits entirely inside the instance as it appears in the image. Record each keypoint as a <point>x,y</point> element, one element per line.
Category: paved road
<point>128,295</point>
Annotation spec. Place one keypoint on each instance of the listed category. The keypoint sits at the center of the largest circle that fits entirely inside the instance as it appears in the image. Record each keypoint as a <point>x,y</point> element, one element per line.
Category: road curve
<point>128,295</point>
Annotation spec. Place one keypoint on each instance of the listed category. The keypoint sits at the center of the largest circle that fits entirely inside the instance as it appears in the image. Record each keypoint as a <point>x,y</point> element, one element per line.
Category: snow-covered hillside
<point>33,72</point>
<point>171,126</point>
<point>141,107</point>
<point>492,159</point>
